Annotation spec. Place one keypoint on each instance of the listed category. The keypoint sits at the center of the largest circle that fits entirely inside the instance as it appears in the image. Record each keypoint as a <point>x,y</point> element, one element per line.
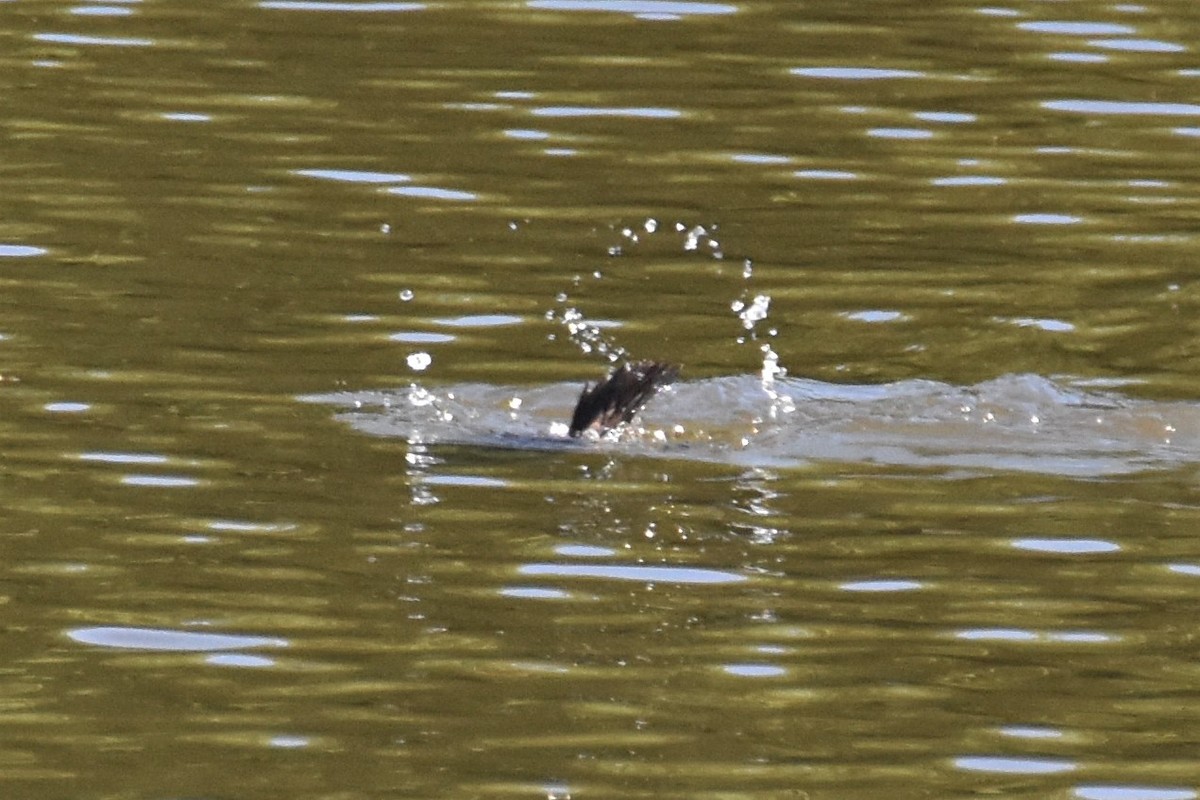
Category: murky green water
<point>294,297</point>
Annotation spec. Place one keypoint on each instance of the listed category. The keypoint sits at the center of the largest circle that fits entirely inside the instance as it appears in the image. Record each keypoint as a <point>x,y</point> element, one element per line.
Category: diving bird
<point>621,395</point>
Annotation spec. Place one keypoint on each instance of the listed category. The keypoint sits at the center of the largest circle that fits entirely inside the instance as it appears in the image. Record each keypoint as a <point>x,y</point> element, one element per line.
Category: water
<point>1013,423</point>
<point>919,519</point>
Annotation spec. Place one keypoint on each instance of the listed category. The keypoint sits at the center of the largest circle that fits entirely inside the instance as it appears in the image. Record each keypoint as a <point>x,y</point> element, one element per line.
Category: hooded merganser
<point>617,398</point>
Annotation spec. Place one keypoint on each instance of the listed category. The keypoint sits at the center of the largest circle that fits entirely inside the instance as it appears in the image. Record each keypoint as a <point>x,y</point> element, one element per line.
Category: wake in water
<point>1025,423</point>
<point>1017,422</point>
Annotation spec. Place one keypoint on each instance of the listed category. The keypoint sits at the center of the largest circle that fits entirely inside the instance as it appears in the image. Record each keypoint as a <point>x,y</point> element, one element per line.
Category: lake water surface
<point>296,297</point>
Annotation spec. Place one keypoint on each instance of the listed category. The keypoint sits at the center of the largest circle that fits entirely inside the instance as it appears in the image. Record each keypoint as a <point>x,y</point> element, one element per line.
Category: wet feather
<point>619,397</point>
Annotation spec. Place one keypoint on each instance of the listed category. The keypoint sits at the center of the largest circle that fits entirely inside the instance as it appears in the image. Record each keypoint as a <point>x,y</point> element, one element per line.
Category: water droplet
<point>755,312</point>
<point>419,361</point>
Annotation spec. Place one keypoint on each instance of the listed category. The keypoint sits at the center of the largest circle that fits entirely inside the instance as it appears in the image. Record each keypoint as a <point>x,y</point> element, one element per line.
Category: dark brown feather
<point>620,396</point>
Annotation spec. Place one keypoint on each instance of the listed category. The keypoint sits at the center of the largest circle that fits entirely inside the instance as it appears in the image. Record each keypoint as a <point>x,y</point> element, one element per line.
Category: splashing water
<point>753,312</point>
<point>589,335</point>
<point>1024,423</point>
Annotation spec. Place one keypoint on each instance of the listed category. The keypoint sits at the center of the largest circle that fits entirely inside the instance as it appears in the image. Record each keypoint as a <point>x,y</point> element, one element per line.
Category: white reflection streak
<point>757,484</point>
<point>419,462</point>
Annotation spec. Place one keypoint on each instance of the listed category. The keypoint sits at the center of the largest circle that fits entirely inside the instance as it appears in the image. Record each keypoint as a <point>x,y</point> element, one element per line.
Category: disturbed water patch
<point>1024,423</point>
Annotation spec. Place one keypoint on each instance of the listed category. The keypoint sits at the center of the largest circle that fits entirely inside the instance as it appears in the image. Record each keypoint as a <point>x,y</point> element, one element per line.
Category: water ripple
<point>855,73</point>
<point>326,5</point>
<point>1099,792</point>
<point>636,573</point>
<point>176,641</point>
<point>1015,766</point>
<point>595,111</point>
<point>99,41</point>
<point>1077,28</point>
<point>1067,546</point>
<point>1133,108</point>
<point>657,9</point>
<point>20,251</point>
